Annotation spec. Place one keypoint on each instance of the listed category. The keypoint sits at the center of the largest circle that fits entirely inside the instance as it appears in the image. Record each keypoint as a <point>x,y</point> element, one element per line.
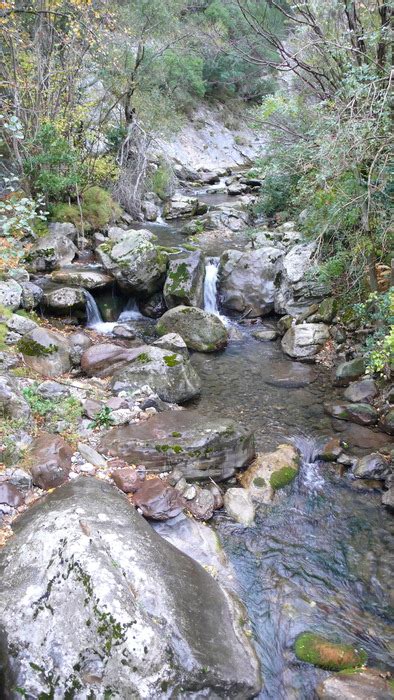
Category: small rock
<point>265,335</point>
<point>158,500</point>
<point>87,468</point>
<point>10,495</point>
<point>372,466</point>
<point>128,479</point>
<point>202,506</point>
<point>387,422</point>
<point>91,455</point>
<point>52,390</point>
<point>347,371</point>
<point>239,506</point>
<point>360,413</point>
<point>92,408</point>
<point>321,652</point>
<point>217,495</point>
<point>361,391</point>
<point>330,451</point>
<point>123,415</point>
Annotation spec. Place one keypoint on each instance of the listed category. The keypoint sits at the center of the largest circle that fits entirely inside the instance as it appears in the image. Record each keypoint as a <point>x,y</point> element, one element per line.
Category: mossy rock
<point>283,477</point>
<point>321,652</point>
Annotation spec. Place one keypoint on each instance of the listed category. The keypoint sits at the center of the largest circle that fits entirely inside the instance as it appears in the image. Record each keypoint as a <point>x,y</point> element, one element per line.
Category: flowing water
<point>319,558</point>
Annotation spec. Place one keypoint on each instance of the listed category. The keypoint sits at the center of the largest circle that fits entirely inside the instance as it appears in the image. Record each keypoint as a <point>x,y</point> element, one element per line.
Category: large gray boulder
<point>183,206</point>
<point>50,252</point>
<point>185,440</point>
<point>13,405</point>
<point>137,264</point>
<point>185,281</point>
<point>47,352</point>
<point>65,299</point>
<point>304,341</point>
<point>31,295</point>
<point>78,276</point>
<point>10,294</point>
<point>201,330</point>
<point>102,605</point>
<point>297,288</point>
<point>169,374</point>
<point>247,280</point>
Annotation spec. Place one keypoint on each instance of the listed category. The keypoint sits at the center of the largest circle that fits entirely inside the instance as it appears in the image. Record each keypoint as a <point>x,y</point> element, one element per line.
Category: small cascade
<point>130,312</point>
<point>210,286</point>
<point>93,314</point>
<point>310,476</point>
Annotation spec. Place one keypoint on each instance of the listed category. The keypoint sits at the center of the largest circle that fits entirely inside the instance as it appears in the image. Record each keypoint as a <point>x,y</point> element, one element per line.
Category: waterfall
<point>93,314</point>
<point>130,312</point>
<point>210,286</point>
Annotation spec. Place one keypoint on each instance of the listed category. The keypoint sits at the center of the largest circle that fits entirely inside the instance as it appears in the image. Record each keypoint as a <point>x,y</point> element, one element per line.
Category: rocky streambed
<point>178,366</point>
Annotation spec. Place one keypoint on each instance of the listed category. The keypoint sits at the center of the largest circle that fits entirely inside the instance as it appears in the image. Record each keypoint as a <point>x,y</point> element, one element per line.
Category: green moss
<point>321,652</point>
<point>259,482</point>
<point>3,335</point>
<point>98,209</point>
<point>31,315</point>
<point>167,448</point>
<point>30,347</point>
<point>42,253</point>
<point>175,434</point>
<point>189,246</point>
<point>5,312</point>
<point>177,277</point>
<point>171,360</point>
<point>107,246</point>
<point>283,477</point>
<point>143,358</point>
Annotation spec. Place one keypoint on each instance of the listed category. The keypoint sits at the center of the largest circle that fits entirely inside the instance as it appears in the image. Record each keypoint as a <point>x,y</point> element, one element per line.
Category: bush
<point>377,312</point>
<point>160,181</point>
<point>276,196</point>
<point>97,207</point>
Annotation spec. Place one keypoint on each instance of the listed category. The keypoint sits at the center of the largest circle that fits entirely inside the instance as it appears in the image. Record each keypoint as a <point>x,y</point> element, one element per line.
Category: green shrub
<point>377,312</point>
<point>160,181</point>
<point>97,207</point>
<point>276,195</point>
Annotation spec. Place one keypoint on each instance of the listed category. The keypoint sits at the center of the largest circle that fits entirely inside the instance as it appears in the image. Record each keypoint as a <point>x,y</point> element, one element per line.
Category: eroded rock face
<point>296,291</point>
<point>50,252</point>
<point>185,281</point>
<point>201,330</point>
<point>200,448</point>
<point>247,279</point>
<point>137,264</point>
<point>47,352</point>
<point>139,628</point>
<point>303,342</point>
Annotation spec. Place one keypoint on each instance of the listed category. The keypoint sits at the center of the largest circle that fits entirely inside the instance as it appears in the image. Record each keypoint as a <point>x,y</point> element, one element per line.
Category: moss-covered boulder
<point>346,372</point>
<point>137,264</point>
<point>47,352</point>
<point>185,281</point>
<point>201,330</point>
<point>270,472</point>
<point>360,413</point>
<point>334,656</point>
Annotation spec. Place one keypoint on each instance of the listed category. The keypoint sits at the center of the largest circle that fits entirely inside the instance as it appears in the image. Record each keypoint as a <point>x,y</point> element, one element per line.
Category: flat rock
<point>78,276</point>
<point>200,448</point>
<point>145,616</point>
<point>291,375</point>
<point>363,684</point>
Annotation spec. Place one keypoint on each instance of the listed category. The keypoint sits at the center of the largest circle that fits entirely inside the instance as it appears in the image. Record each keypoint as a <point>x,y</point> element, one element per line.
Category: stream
<point>319,559</point>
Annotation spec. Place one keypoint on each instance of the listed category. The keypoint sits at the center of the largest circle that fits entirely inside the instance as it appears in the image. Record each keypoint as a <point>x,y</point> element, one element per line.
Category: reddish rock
<point>203,505</point>
<point>50,457</point>
<point>104,359</point>
<point>128,479</point>
<point>92,408</point>
<point>217,495</point>
<point>10,495</point>
<point>158,500</point>
<point>330,451</point>
<point>116,402</point>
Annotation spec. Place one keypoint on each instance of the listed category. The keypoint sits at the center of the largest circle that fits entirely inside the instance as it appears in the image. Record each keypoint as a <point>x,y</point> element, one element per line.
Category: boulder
<point>50,252</point>
<point>247,280</point>
<point>361,413</point>
<point>20,324</point>
<point>182,207</point>
<point>78,276</point>
<point>290,375</point>
<point>31,295</point>
<point>139,627</point>
<point>10,294</point>
<point>64,299</point>
<point>46,352</point>
<point>324,653</point>
<point>78,342</point>
<point>57,228</point>
<point>137,264</point>
<point>296,287</point>
<point>185,281</point>
<point>50,459</point>
<point>346,372</point>
<point>104,359</point>
<point>13,405</point>
<point>372,466</point>
<point>362,391</point>
<point>303,342</point>
<point>150,211</point>
<point>154,307</point>
<point>199,447</point>
<point>239,506</point>
<point>363,684</point>
<point>170,375</point>
<point>270,472</point>
<point>201,330</point>
<point>387,422</point>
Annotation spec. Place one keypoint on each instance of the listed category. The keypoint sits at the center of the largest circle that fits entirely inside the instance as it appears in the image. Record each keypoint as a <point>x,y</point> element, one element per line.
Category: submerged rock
<point>334,656</point>
<point>247,280</point>
<point>185,281</point>
<point>199,447</point>
<point>147,621</point>
<point>201,330</point>
<point>304,341</point>
<point>362,684</point>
